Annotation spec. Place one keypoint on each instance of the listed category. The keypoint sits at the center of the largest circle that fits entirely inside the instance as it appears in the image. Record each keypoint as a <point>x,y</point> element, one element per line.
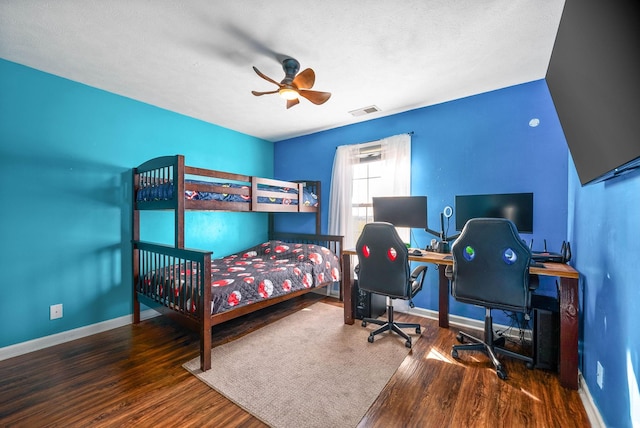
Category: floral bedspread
<point>267,270</point>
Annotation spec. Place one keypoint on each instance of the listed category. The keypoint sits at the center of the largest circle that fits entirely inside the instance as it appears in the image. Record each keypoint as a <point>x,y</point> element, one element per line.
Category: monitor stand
<point>443,245</point>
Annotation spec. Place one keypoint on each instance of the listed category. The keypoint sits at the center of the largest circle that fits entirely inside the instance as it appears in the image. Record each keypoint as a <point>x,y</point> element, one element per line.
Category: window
<point>367,175</point>
<point>362,171</point>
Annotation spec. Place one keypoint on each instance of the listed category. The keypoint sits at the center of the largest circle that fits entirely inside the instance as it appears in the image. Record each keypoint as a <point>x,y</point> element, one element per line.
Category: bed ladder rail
<point>172,279</point>
<point>175,281</point>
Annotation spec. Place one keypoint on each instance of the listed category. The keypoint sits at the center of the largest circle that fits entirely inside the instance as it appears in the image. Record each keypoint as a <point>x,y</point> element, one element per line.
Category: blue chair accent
<point>491,269</point>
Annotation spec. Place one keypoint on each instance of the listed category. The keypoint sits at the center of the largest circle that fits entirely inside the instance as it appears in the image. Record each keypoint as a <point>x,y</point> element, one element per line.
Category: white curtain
<point>396,155</point>
<point>341,193</point>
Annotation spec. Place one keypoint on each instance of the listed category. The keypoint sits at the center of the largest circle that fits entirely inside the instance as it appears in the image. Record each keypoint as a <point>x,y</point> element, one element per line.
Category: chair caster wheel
<point>408,343</point>
<point>501,374</point>
<point>418,330</point>
<point>364,323</point>
<point>454,353</point>
<point>530,366</point>
<point>460,338</point>
<point>370,339</point>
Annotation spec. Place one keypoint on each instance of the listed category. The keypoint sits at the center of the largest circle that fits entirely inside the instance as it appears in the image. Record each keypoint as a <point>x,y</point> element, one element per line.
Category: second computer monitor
<point>517,207</point>
<point>401,211</point>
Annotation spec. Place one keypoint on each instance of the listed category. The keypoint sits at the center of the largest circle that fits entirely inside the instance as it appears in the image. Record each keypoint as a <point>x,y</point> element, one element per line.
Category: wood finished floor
<point>133,376</point>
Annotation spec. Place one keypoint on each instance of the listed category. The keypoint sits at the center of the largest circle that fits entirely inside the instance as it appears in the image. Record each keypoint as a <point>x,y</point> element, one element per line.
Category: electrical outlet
<point>55,311</point>
<point>599,375</point>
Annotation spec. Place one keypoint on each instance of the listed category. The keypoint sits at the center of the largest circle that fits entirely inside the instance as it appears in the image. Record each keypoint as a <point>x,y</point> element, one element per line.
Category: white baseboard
<point>458,321</point>
<point>589,406</point>
<point>67,336</point>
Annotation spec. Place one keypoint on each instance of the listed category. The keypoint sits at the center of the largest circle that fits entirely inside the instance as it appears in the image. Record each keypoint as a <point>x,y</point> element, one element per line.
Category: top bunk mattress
<point>164,191</point>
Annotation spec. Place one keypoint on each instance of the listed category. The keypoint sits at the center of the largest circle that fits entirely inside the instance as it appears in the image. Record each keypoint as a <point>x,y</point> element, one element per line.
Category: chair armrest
<point>448,272</point>
<point>417,279</point>
<point>534,282</point>
<point>420,269</point>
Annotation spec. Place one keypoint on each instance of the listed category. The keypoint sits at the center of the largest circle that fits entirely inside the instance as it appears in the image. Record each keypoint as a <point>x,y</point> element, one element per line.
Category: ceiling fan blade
<point>257,94</point>
<point>291,103</point>
<point>315,97</point>
<point>305,79</point>
<point>265,77</point>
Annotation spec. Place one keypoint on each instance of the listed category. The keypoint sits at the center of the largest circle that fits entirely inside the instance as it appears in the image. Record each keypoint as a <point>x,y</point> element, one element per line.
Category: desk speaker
<point>546,332</point>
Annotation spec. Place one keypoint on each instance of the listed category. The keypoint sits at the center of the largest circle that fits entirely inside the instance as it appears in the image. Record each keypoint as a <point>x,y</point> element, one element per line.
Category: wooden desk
<point>568,298</point>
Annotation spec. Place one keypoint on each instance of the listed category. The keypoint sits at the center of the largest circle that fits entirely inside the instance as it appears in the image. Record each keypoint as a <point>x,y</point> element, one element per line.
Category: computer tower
<point>367,305</point>
<point>546,332</point>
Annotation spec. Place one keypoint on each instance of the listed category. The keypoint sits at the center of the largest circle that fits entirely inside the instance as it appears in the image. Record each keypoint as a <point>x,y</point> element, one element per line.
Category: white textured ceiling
<point>195,57</point>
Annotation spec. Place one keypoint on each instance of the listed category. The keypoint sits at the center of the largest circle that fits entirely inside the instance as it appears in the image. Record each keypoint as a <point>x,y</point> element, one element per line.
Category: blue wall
<point>604,227</point>
<point>66,153</point>
<point>483,144</point>
<point>480,144</point>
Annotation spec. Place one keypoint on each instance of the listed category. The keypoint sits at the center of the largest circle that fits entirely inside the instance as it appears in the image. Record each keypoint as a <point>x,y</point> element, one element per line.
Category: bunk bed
<point>200,292</point>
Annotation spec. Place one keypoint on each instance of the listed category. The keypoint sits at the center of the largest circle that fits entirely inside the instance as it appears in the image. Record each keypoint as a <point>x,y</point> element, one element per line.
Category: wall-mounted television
<point>594,80</point>
<point>517,207</point>
<point>401,211</point>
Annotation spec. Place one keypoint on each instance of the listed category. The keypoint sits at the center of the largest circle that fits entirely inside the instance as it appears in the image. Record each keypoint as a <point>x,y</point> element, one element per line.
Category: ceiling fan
<point>294,85</point>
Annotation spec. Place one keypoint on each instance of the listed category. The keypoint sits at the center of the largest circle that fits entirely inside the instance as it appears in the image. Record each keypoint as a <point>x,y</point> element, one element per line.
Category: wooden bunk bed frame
<point>149,256</point>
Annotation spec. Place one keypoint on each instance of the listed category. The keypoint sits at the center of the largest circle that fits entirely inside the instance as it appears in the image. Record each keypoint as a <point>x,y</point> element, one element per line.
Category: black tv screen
<point>594,80</point>
<point>401,211</point>
<point>517,207</point>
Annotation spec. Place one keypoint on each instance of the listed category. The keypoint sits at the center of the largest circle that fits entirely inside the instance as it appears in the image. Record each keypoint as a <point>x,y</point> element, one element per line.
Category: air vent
<point>370,149</point>
<point>364,110</point>
<point>370,152</point>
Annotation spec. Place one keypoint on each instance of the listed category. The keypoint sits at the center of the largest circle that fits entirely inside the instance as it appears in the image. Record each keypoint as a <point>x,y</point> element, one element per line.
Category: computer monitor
<point>401,211</point>
<point>517,207</point>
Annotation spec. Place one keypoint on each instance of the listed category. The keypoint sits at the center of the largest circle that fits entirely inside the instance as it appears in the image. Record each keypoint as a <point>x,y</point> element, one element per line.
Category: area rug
<point>307,370</point>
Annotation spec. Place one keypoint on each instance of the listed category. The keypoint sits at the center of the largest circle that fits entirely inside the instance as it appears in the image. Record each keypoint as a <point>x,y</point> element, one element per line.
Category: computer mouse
<point>416,253</point>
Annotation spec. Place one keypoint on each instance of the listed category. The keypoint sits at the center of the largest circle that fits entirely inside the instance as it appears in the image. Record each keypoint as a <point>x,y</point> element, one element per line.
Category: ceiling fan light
<point>288,93</point>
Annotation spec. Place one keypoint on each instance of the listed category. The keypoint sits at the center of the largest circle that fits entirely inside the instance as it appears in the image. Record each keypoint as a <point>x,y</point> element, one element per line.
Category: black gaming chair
<point>384,269</point>
<point>491,269</point>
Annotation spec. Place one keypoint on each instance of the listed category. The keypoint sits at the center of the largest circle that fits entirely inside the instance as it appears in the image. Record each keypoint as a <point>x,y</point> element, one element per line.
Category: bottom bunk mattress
<point>267,270</point>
